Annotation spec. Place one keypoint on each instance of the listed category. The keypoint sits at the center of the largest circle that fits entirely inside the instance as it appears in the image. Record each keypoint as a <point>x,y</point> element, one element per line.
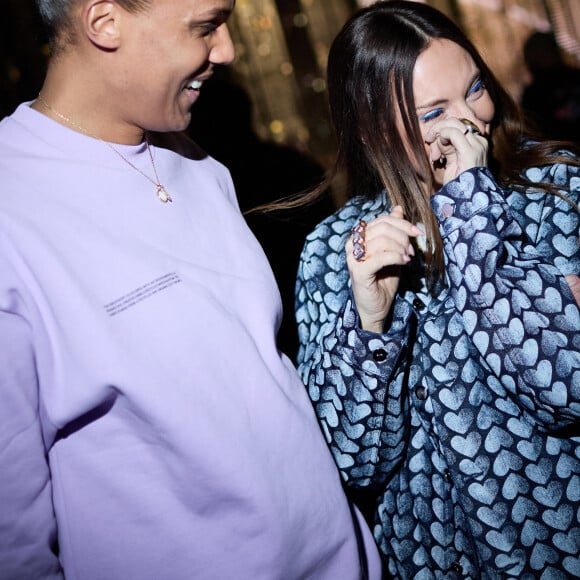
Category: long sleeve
<point>508,285</point>
<point>140,383</point>
<point>27,522</point>
<point>351,374</point>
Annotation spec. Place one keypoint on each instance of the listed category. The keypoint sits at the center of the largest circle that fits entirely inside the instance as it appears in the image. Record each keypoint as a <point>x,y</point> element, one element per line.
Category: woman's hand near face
<point>462,149</point>
<point>375,278</point>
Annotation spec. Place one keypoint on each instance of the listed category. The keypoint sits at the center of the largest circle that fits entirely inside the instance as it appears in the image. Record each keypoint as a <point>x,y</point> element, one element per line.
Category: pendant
<point>162,194</point>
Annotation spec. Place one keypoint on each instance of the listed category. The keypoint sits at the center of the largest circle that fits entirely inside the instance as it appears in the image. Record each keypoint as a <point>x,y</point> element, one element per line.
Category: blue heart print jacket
<point>464,415</point>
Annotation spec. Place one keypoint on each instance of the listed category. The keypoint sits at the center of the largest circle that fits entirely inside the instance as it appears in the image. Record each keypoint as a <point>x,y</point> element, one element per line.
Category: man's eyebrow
<point>218,13</point>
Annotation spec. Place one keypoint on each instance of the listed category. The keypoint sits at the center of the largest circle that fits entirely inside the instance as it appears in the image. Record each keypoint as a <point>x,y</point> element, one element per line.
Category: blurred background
<point>266,118</point>
<point>282,47</point>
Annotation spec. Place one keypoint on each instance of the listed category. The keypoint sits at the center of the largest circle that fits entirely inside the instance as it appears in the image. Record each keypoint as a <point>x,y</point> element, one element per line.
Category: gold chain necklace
<point>162,193</point>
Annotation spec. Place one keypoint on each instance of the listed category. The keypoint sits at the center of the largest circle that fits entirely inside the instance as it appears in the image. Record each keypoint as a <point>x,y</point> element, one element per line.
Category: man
<point>149,428</point>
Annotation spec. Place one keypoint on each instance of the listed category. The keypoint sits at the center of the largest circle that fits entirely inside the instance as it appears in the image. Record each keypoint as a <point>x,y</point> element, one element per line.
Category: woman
<point>445,367</point>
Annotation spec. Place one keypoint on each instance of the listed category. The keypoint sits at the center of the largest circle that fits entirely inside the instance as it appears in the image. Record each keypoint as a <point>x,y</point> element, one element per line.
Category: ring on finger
<point>358,241</point>
<point>470,127</point>
<point>439,163</point>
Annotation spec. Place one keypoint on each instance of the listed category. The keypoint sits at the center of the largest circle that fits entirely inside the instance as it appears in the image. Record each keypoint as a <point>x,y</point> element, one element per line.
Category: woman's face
<point>446,84</point>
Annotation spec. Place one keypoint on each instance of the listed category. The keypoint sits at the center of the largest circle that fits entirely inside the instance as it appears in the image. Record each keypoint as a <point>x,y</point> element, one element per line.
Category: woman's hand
<point>455,147</point>
<point>375,276</point>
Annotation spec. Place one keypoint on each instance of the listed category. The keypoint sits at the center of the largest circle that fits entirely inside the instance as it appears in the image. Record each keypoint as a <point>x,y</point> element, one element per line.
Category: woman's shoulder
<point>562,170</point>
<point>551,220</point>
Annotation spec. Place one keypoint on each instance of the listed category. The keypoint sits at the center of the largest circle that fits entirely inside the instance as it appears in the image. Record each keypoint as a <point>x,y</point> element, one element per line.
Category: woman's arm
<point>516,304</point>
<point>350,373</point>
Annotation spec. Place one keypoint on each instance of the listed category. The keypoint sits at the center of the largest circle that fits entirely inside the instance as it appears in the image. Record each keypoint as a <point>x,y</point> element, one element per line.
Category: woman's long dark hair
<point>370,86</point>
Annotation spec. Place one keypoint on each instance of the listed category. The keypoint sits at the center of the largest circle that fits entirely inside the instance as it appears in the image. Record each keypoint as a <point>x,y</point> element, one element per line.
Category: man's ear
<point>101,21</point>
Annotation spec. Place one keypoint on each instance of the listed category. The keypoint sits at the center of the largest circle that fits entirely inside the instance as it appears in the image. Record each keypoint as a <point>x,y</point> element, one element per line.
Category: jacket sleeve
<point>27,522</point>
<point>509,287</point>
<point>348,371</point>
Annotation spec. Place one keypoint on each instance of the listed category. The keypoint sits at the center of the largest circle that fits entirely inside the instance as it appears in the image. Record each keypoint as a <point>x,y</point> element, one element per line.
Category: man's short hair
<point>56,16</point>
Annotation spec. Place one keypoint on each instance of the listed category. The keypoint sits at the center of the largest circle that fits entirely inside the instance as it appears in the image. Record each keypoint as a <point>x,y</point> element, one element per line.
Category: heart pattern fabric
<point>464,415</point>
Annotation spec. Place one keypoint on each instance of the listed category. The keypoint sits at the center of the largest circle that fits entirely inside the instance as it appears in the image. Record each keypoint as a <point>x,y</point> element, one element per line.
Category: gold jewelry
<point>470,127</point>
<point>162,193</point>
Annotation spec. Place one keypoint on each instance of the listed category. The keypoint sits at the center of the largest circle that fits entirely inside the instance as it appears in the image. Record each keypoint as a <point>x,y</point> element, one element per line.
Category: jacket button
<point>448,476</point>
<point>421,392</point>
<point>380,355</point>
<point>457,568</point>
<point>418,304</point>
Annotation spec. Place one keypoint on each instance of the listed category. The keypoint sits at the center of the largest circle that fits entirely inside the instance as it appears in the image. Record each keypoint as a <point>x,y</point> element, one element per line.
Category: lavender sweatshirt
<point>149,429</point>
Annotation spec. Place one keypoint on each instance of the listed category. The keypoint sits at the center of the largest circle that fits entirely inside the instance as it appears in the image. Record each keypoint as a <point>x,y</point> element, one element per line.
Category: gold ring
<point>470,127</point>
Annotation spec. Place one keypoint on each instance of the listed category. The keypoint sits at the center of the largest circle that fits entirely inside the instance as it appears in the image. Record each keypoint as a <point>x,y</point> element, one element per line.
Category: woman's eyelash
<point>431,115</point>
<point>477,86</point>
